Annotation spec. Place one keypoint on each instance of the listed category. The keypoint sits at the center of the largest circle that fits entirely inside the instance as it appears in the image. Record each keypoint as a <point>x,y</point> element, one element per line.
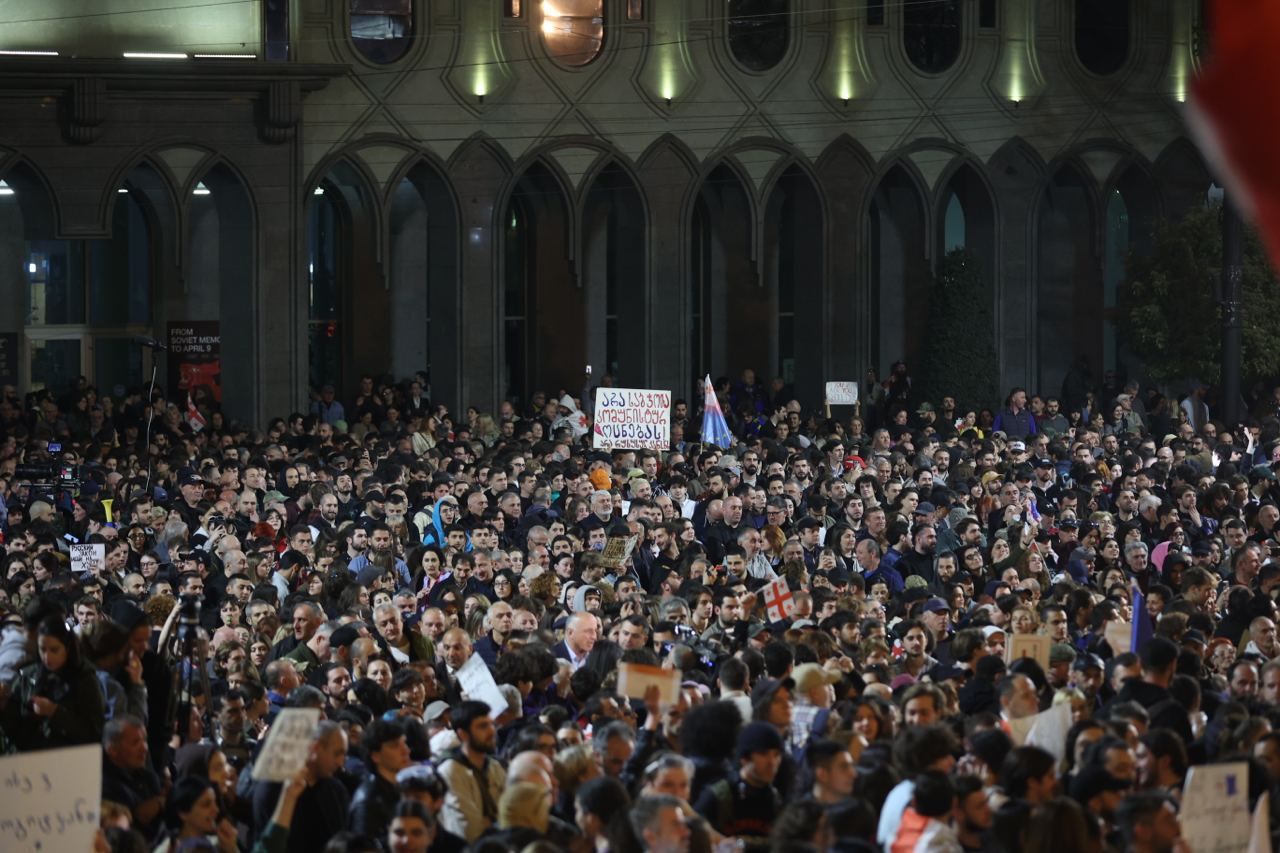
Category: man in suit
<point>580,635</point>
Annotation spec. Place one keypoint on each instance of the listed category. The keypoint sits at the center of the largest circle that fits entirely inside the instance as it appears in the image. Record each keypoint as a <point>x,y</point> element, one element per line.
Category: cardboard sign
<point>477,683</point>
<point>632,419</point>
<point>634,679</point>
<point>617,550</point>
<point>1215,808</point>
<point>49,800</point>
<point>288,743</point>
<point>88,559</point>
<point>1034,646</point>
<point>842,393</point>
<point>1119,636</point>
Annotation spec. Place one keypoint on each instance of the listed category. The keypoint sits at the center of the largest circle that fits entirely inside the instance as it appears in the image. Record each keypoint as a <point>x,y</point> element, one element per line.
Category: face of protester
<point>379,671</point>
<point>53,654</point>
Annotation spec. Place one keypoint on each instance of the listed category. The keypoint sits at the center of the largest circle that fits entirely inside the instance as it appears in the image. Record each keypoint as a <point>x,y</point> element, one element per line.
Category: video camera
<point>51,477</point>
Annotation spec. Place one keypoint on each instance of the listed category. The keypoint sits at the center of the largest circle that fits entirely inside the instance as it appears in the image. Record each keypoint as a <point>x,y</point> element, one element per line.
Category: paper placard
<point>842,393</point>
<point>1034,646</point>
<point>477,683</point>
<point>88,559</point>
<point>1119,636</point>
<point>288,743</point>
<point>635,678</point>
<point>617,550</point>
<point>1047,730</point>
<point>49,800</point>
<point>1215,808</point>
<point>632,419</point>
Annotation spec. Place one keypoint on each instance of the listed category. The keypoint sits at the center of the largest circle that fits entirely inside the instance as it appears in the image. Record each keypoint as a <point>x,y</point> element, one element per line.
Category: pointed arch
<point>794,258</point>
<point>727,307</point>
<point>424,240</point>
<point>349,305</point>
<point>541,299</point>
<point>221,255</point>
<point>614,267</point>
<point>898,254</point>
<point>1130,208</point>
<point>1069,292</point>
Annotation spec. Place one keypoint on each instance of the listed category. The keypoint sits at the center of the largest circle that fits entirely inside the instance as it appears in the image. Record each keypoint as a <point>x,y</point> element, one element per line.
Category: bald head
<point>532,766</point>
<point>456,647</point>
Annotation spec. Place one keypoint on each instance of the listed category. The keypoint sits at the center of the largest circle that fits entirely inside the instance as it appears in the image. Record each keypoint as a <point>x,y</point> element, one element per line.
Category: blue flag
<point>714,429</point>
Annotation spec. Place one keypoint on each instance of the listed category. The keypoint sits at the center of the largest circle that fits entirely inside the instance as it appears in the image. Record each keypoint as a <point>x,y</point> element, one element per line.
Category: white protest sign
<point>1215,808</point>
<point>842,393</point>
<point>632,419</point>
<point>288,743</point>
<point>1047,730</point>
<point>49,800</point>
<point>1034,646</point>
<point>477,683</point>
<point>635,678</point>
<point>1119,636</point>
<point>88,558</point>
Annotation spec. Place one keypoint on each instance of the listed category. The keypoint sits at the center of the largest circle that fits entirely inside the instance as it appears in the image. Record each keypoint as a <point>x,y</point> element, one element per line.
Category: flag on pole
<point>714,429</point>
<point>195,420</point>
<point>1143,630</point>
<point>779,604</point>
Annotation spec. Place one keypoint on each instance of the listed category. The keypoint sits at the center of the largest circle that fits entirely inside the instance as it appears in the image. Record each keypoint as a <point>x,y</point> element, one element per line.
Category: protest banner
<point>88,559</point>
<point>779,603</point>
<point>1034,646</point>
<point>632,419</point>
<point>617,550</point>
<point>1215,808</point>
<point>195,358</point>
<point>50,799</point>
<point>288,742</point>
<point>634,679</point>
<point>477,684</point>
<point>842,393</point>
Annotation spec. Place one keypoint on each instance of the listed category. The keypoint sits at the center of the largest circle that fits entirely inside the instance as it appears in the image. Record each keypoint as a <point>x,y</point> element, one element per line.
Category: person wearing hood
<point>444,514</point>
<point>587,598</point>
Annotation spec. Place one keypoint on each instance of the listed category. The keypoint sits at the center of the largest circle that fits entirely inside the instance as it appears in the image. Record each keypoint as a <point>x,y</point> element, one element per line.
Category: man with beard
<point>972,815</point>
<point>474,777</point>
<point>921,560</point>
<point>380,554</point>
<point>324,523</point>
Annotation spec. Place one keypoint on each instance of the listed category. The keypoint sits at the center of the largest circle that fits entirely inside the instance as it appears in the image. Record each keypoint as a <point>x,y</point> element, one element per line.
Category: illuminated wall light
<point>155,56</point>
<point>32,268</point>
<point>28,53</point>
<point>5,189</point>
<point>201,189</point>
<point>225,56</point>
<point>319,191</point>
<point>122,191</point>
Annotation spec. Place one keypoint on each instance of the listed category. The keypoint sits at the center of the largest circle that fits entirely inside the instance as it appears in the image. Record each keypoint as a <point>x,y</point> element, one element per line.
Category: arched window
<point>573,29</point>
<point>1102,34</point>
<point>382,30</point>
<point>759,31</point>
<point>931,34</point>
<point>954,226</point>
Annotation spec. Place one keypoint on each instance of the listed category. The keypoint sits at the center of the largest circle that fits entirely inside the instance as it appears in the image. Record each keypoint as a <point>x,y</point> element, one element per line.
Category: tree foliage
<point>960,357</point>
<point>1167,310</point>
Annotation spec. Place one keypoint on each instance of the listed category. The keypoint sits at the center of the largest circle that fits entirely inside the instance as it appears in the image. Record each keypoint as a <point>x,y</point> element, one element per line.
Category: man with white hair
<point>580,635</point>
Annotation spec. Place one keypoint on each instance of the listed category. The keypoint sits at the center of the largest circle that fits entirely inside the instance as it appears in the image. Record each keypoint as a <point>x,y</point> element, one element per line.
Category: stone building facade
<point>505,190</point>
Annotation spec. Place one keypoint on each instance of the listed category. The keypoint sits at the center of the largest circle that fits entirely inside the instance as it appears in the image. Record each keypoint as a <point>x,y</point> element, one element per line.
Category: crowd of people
<point>354,558</point>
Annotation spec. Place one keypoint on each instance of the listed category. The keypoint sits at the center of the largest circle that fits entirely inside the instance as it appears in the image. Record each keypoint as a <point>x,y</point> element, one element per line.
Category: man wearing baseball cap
<point>745,807</point>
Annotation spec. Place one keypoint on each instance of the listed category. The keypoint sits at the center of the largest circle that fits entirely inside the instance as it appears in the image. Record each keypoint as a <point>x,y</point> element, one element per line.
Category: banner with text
<point>51,799</point>
<point>195,359</point>
<point>632,419</point>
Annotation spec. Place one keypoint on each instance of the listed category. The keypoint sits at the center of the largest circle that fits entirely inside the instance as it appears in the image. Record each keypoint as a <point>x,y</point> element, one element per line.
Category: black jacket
<point>372,807</point>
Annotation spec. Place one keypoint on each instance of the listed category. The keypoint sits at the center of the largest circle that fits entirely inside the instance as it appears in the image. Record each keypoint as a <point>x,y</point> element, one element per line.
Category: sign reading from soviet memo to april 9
<point>632,419</point>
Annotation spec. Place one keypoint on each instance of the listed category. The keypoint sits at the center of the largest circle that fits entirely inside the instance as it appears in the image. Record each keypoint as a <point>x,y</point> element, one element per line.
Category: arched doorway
<point>794,263</point>
<point>348,299</point>
<point>899,268</point>
<point>221,282</point>
<point>614,275</point>
<point>424,282</point>
<point>543,316</point>
<point>968,222</point>
<point>1068,285</point>
<point>728,310</point>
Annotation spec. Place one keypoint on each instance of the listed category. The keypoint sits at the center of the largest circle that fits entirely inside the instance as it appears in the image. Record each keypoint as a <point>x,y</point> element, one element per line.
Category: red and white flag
<point>779,604</point>
<point>195,420</point>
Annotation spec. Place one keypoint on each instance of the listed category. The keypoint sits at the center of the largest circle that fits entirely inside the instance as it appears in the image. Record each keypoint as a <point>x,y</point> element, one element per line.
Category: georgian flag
<point>779,604</point>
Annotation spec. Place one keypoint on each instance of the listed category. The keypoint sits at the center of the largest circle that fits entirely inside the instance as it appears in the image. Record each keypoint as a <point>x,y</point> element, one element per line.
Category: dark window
<point>275,23</point>
<point>987,14</point>
<point>573,29</point>
<point>931,34</point>
<point>875,13</point>
<point>382,30</point>
<point>759,31</point>
<point>324,320</point>
<point>1102,34</point>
